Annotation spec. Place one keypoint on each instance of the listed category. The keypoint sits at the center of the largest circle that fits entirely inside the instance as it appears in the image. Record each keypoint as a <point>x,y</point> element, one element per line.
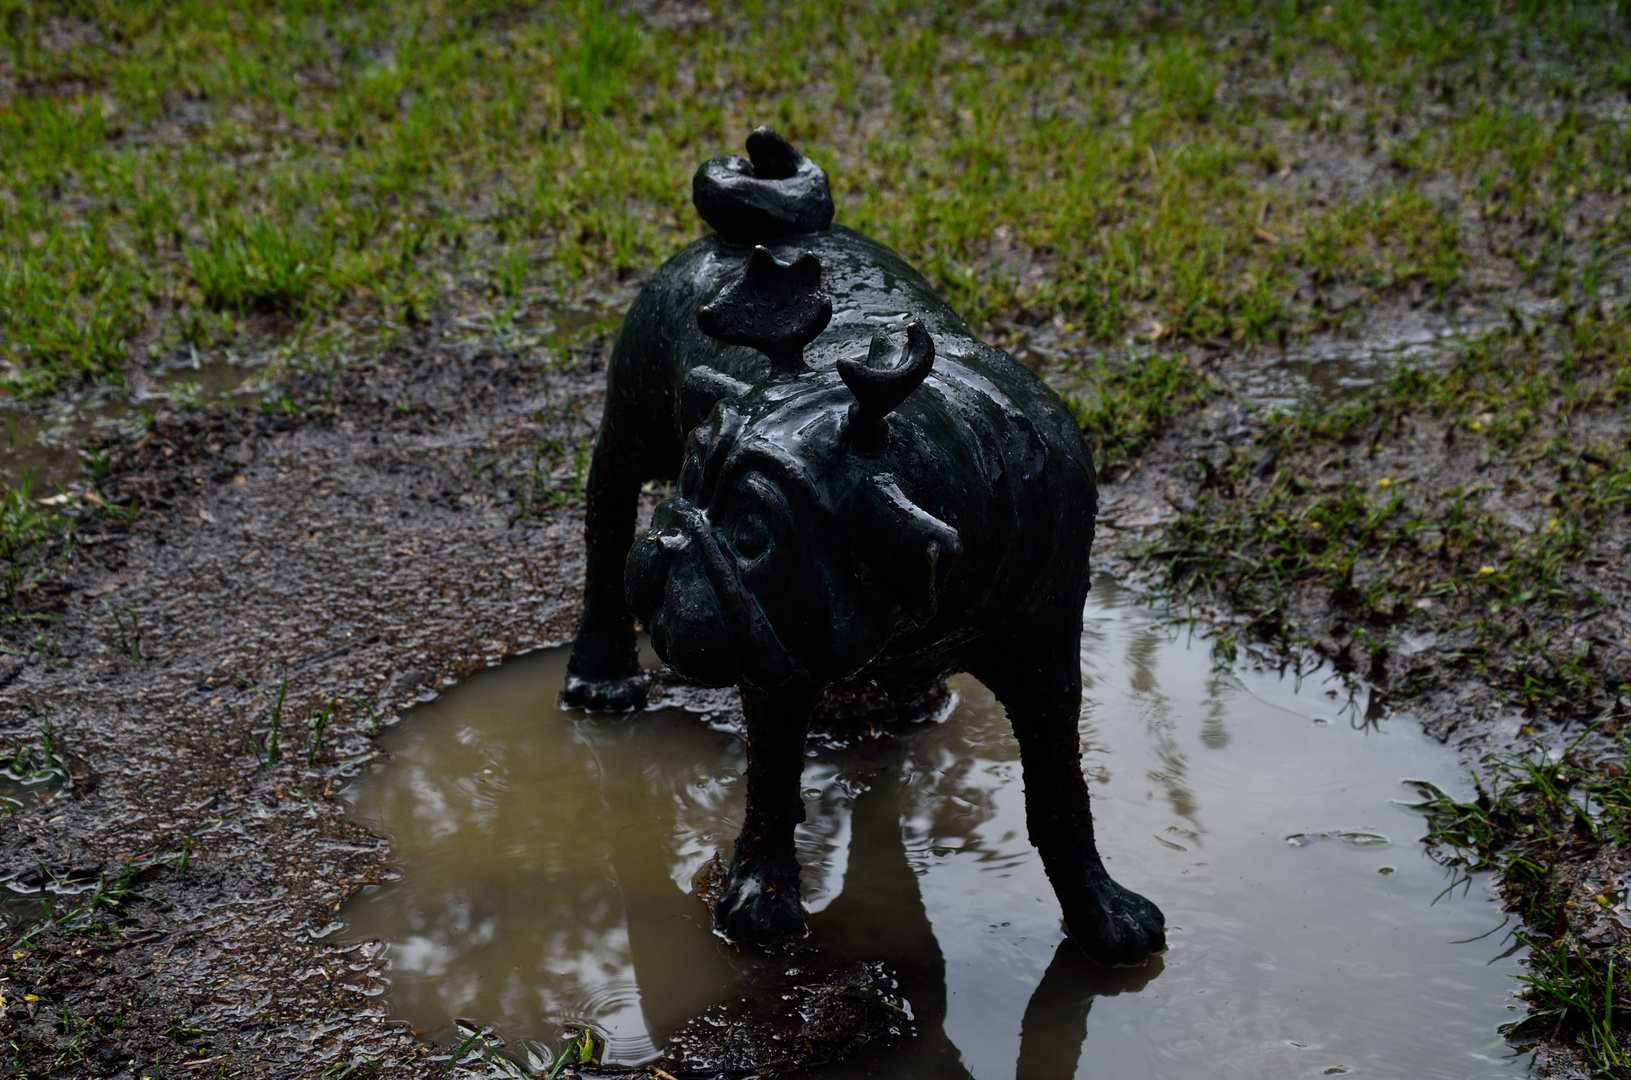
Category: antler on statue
<point>775,307</point>
<point>888,374</point>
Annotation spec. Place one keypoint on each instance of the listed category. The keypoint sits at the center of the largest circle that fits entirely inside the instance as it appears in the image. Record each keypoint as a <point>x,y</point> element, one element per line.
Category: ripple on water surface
<point>547,860</point>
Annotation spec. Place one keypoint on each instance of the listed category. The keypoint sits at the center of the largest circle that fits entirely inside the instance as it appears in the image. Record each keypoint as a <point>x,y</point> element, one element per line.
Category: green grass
<point>259,267</point>
<point>26,530</point>
<point>1529,817</point>
<point>1132,402</point>
<point>307,182</point>
<point>201,174</point>
<point>268,749</point>
<point>1478,500</point>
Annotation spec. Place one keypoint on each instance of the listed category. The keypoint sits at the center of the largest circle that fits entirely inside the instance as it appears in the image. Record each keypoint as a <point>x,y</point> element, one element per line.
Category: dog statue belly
<point>864,489</point>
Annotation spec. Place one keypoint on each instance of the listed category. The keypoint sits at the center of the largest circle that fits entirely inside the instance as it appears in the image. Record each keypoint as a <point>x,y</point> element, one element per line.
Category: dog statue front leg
<point>760,902</point>
<point>603,674</point>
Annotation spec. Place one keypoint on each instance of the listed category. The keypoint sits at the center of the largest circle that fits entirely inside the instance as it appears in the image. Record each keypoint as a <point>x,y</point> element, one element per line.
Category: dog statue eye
<point>750,536</point>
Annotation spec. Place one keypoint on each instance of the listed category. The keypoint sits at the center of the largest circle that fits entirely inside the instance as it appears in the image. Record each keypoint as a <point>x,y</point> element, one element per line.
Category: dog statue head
<point>794,547</point>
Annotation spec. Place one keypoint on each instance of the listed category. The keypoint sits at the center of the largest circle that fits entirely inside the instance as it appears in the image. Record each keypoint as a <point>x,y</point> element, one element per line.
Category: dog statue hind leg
<point>1037,677</point>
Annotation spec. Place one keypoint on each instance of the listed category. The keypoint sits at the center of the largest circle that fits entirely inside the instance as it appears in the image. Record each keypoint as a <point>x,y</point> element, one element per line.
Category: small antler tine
<point>919,343</point>
<point>773,157</point>
<point>889,373</point>
<point>807,270</point>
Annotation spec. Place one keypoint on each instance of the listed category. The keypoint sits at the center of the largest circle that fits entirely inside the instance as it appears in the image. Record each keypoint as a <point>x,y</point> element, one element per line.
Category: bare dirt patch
<point>348,562</point>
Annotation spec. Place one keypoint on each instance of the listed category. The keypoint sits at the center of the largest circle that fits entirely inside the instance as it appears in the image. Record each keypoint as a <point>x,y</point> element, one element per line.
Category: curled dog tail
<point>774,192</point>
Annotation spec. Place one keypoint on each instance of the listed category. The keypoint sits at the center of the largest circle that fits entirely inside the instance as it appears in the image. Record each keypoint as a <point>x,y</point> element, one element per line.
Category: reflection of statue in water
<point>680,966</point>
<point>1054,1030</point>
<point>755,1023</point>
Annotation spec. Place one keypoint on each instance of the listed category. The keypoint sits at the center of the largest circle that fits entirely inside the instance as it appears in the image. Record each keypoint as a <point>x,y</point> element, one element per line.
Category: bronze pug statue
<point>866,491</point>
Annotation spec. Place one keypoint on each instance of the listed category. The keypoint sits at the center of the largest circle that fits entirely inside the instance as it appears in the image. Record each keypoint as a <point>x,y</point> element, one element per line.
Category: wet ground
<point>413,523</point>
<point>344,561</point>
<point>54,443</point>
<point>1338,366</point>
<point>547,862</point>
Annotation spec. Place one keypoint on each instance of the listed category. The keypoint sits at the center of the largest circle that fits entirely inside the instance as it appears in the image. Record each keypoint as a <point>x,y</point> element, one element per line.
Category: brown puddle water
<point>547,859</point>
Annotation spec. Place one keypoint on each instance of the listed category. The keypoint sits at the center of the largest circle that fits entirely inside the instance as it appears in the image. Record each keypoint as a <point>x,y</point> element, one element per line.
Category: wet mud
<point>49,445</point>
<point>261,576</point>
<point>340,563</point>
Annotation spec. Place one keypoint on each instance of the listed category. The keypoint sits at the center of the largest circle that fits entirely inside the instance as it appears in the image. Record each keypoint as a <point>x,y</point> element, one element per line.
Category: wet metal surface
<point>548,858</point>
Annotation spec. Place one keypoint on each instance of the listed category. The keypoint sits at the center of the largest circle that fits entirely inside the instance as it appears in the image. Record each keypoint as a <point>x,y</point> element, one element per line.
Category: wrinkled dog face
<point>782,553</point>
<point>790,549</point>
<point>742,566</point>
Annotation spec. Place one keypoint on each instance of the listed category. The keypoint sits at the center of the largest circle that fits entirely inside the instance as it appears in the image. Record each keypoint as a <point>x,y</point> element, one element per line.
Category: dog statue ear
<point>909,548</point>
<point>888,374</point>
<point>702,389</point>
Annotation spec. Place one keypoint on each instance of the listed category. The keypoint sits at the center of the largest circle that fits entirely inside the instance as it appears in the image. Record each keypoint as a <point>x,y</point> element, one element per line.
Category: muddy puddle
<point>547,860</point>
<point>46,444</point>
<point>1334,367</point>
<point>20,790</point>
<point>31,775</point>
<point>29,780</point>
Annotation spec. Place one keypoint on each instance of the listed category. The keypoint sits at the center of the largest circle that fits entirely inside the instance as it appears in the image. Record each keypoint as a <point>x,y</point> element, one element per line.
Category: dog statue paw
<point>760,903</point>
<point>604,695</point>
<point>1116,926</point>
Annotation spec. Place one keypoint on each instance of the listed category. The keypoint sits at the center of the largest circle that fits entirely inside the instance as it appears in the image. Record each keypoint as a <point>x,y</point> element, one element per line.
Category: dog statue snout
<point>646,574</point>
<point>672,587</point>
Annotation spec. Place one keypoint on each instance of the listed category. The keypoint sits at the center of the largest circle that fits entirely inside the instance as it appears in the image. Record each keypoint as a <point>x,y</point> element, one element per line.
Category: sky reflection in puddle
<point>547,858</point>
